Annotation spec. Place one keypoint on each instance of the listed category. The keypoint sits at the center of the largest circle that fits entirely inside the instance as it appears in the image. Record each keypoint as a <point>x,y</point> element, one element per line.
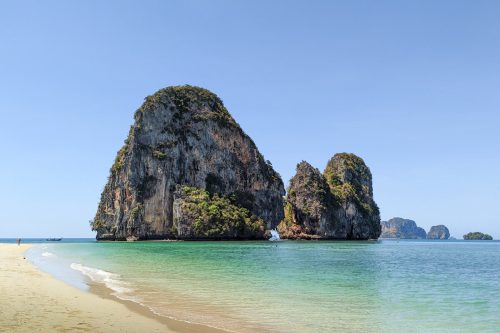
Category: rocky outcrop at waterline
<point>337,204</point>
<point>438,232</point>
<point>188,171</point>
<point>402,229</point>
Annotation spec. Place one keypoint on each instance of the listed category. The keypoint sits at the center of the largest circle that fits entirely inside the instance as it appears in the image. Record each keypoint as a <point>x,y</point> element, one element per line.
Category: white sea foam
<point>47,254</point>
<point>110,280</point>
<point>275,236</point>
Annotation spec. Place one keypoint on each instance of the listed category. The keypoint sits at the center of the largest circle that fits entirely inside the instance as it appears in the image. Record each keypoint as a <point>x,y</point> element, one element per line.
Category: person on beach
<point>18,241</point>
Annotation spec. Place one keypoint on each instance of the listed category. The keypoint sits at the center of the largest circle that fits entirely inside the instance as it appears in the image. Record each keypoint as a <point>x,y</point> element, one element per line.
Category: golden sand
<point>34,301</point>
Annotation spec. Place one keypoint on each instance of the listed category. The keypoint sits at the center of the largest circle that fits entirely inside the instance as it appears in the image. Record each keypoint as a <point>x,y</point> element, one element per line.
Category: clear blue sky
<point>413,87</point>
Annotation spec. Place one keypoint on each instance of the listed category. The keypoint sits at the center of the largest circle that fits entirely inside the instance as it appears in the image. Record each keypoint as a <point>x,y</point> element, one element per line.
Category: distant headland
<point>400,228</point>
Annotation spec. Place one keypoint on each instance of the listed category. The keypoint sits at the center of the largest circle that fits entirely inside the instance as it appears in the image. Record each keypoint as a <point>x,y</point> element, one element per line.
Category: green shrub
<point>134,211</point>
<point>96,224</point>
<point>159,154</point>
<point>216,216</point>
<point>120,156</point>
<point>185,97</point>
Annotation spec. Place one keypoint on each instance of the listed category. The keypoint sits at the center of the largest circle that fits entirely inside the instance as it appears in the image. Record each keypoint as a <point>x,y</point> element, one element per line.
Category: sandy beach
<point>33,301</point>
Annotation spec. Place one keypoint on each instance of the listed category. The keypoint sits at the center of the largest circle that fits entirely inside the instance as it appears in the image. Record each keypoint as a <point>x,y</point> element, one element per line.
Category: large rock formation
<point>335,205</point>
<point>402,229</point>
<point>187,170</point>
<point>438,232</point>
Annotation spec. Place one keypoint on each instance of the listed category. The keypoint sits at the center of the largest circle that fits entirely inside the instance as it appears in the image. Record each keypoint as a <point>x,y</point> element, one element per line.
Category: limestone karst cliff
<point>337,204</point>
<point>438,232</point>
<point>402,228</point>
<point>187,170</point>
<point>309,210</point>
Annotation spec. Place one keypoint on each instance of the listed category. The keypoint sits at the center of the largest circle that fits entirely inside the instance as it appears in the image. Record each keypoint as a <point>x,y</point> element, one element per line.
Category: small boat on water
<point>53,239</point>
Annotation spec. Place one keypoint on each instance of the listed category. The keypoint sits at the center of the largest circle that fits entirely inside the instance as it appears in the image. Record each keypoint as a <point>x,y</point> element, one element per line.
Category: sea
<point>293,286</point>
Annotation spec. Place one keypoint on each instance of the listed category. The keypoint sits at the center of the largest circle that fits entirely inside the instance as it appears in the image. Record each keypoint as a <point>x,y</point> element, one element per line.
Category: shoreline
<point>33,300</point>
<point>176,325</point>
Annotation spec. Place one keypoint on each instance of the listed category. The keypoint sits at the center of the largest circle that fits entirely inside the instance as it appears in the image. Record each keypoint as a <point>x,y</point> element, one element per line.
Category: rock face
<point>184,145</point>
<point>337,204</point>
<point>477,236</point>
<point>309,210</point>
<point>438,232</point>
<point>402,229</point>
<point>350,183</point>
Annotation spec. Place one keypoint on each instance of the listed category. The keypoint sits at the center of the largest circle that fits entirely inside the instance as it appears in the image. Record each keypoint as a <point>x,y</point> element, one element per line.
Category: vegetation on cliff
<point>120,156</point>
<point>477,236</point>
<point>350,180</point>
<point>215,216</point>
<point>188,98</point>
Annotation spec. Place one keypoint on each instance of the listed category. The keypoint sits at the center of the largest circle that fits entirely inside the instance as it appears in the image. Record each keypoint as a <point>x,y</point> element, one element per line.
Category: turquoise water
<point>385,286</point>
<point>44,240</point>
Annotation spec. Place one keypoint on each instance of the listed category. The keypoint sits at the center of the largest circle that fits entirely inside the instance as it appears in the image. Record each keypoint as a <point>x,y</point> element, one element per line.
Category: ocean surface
<point>294,286</point>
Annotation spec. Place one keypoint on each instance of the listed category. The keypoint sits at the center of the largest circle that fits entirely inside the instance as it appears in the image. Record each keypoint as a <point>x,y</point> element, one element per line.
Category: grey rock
<point>309,210</point>
<point>438,232</point>
<point>183,136</point>
<point>350,182</point>
<point>402,228</point>
<point>335,205</point>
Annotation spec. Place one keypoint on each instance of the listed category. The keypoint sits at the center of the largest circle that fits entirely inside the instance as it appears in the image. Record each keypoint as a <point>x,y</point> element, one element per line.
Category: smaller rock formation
<point>309,210</point>
<point>438,232</point>
<point>402,228</point>
<point>477,236</point>
<point>337,204</point>
<point>350,182</point>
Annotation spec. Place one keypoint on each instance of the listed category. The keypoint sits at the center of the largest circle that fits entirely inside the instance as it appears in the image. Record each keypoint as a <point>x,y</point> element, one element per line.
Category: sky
<point>412,87</point>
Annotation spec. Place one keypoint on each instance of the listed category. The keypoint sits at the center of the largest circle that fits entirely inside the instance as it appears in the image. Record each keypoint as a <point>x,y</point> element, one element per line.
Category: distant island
<point>438,232</point>
<point>188,171</point>
<point>401,228</point>
<point>477,236</point>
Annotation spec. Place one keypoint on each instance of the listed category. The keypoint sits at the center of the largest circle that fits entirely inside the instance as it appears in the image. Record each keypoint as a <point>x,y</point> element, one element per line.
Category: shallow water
<point>293,286</point>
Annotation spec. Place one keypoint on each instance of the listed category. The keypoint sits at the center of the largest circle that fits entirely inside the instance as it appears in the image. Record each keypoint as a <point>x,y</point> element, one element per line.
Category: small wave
<point>47,254</point>
<point>110,280</point>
